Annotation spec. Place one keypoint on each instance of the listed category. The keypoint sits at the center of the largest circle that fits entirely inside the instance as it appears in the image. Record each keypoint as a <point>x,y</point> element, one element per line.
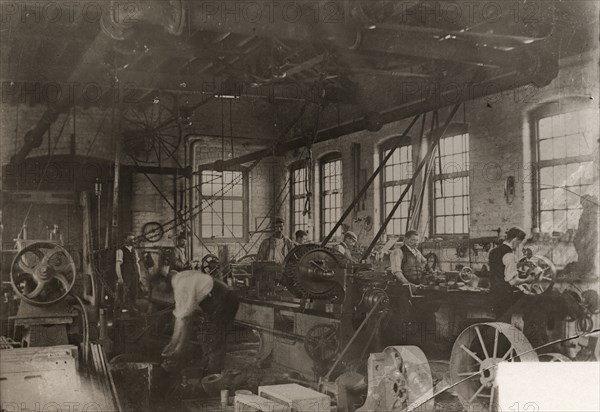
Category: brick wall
<point>265,181</point>
<point>499,127</point>
<point>245,119</point>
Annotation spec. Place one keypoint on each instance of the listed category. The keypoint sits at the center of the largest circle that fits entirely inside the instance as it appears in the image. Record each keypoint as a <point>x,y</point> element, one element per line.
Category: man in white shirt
<point>128,272</point>
<point>407,262</point>
<point>194,292</point>
<point>504,277</point>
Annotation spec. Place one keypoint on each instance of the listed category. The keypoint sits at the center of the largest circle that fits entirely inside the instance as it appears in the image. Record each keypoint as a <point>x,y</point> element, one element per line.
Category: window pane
<point>451,194</point>
<point>546,222</point>
<point>546,149</point>
<point>560,150</point>
<point>448,228</point>
<point>560,220</point>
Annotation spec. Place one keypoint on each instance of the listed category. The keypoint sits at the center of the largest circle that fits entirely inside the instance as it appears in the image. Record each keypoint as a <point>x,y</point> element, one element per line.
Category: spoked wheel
<point>322,343</point>
<point>543,271</point>
<point>43,273</point>
<point>210,264</point>
<point>152,131</point>
<point>475,354</point>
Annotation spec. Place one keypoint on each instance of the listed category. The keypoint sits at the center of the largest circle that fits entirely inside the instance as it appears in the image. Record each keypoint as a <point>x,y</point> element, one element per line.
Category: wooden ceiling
<point>366,57</point>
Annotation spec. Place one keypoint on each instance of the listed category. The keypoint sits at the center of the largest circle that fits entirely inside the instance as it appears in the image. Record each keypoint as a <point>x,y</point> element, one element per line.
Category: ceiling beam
<point>489,86</point>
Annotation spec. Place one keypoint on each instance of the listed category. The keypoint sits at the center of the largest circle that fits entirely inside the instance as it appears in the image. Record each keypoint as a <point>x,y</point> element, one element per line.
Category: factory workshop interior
<point>313,205</point>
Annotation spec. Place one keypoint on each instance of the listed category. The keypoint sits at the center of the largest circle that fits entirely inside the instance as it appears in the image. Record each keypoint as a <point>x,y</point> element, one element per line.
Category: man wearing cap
<point>275,247</point>
<point>301,236</point>
<point>407,262</point>
<point>345,247</point>
<point>128,271</point>
<point>504,277</point>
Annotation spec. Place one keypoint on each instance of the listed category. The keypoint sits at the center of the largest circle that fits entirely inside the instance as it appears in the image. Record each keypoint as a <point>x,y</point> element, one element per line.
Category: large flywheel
<point>152,131</point>
<point>42,273</point>
<point>475,356</point>
<point>314,272</point>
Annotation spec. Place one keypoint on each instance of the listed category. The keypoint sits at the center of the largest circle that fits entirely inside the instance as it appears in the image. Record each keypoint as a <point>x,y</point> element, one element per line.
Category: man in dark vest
<point>408,263</point>
<point>504,278</point>
<point>128,271</point>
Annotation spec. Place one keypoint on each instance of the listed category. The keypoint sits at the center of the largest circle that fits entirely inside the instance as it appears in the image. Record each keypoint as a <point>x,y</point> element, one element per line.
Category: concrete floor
<point>192,398</point>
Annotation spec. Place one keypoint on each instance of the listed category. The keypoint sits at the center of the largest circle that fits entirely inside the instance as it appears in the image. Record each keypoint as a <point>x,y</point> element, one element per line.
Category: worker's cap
<point>128,234</point>
<point>279,220</point>
<point>182,236</point>
<point>515,232</point>
<point>351,235</point>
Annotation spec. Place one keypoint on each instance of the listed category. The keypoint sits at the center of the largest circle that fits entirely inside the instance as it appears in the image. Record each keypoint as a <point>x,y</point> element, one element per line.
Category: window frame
<point>297,165</point>
<point>329,158</point>
<point>244,198</point>
<point>398,142</point>
<point>453,129</point>
<point>549,109</point>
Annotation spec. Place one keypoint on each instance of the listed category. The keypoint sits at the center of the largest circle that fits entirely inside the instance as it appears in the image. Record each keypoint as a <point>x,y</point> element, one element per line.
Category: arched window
<point>331,192</point>
<point>396,174</point>
<point>565,138</point>
<point>299,190</point>
<point>451,183</point>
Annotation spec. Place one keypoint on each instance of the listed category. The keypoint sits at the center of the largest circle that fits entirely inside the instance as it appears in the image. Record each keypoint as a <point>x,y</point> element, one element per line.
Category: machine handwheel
<point>209,264</point>
<point>43,273</point>
<point>475,354</point>
<point>543,271</point>
<point>322,343</point>
<point>466,274</point>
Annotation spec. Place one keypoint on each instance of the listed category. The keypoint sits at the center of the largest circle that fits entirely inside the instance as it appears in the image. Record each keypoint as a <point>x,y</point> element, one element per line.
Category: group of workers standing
<point>194,290</point>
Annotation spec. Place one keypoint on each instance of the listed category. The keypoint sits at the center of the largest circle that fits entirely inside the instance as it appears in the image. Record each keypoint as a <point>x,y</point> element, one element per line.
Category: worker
<point>407,262</point>
<point>128,272</point>
<point>275,247</point>
<point>300,237</point>
<point>345,246</point>
<point>178,260</point>
<point>193,290</point>
<point>504,277</point>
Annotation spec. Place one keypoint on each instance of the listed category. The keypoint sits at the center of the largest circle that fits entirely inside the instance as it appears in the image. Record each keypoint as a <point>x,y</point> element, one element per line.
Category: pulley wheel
<point>209,264</point>
<point>543,271</point>
<point>322,343</point>
<point>43,273</point>
<point>152,232</point>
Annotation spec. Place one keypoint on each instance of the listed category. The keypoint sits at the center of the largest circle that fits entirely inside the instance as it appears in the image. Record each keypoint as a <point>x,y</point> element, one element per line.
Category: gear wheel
<point>299,271</point>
